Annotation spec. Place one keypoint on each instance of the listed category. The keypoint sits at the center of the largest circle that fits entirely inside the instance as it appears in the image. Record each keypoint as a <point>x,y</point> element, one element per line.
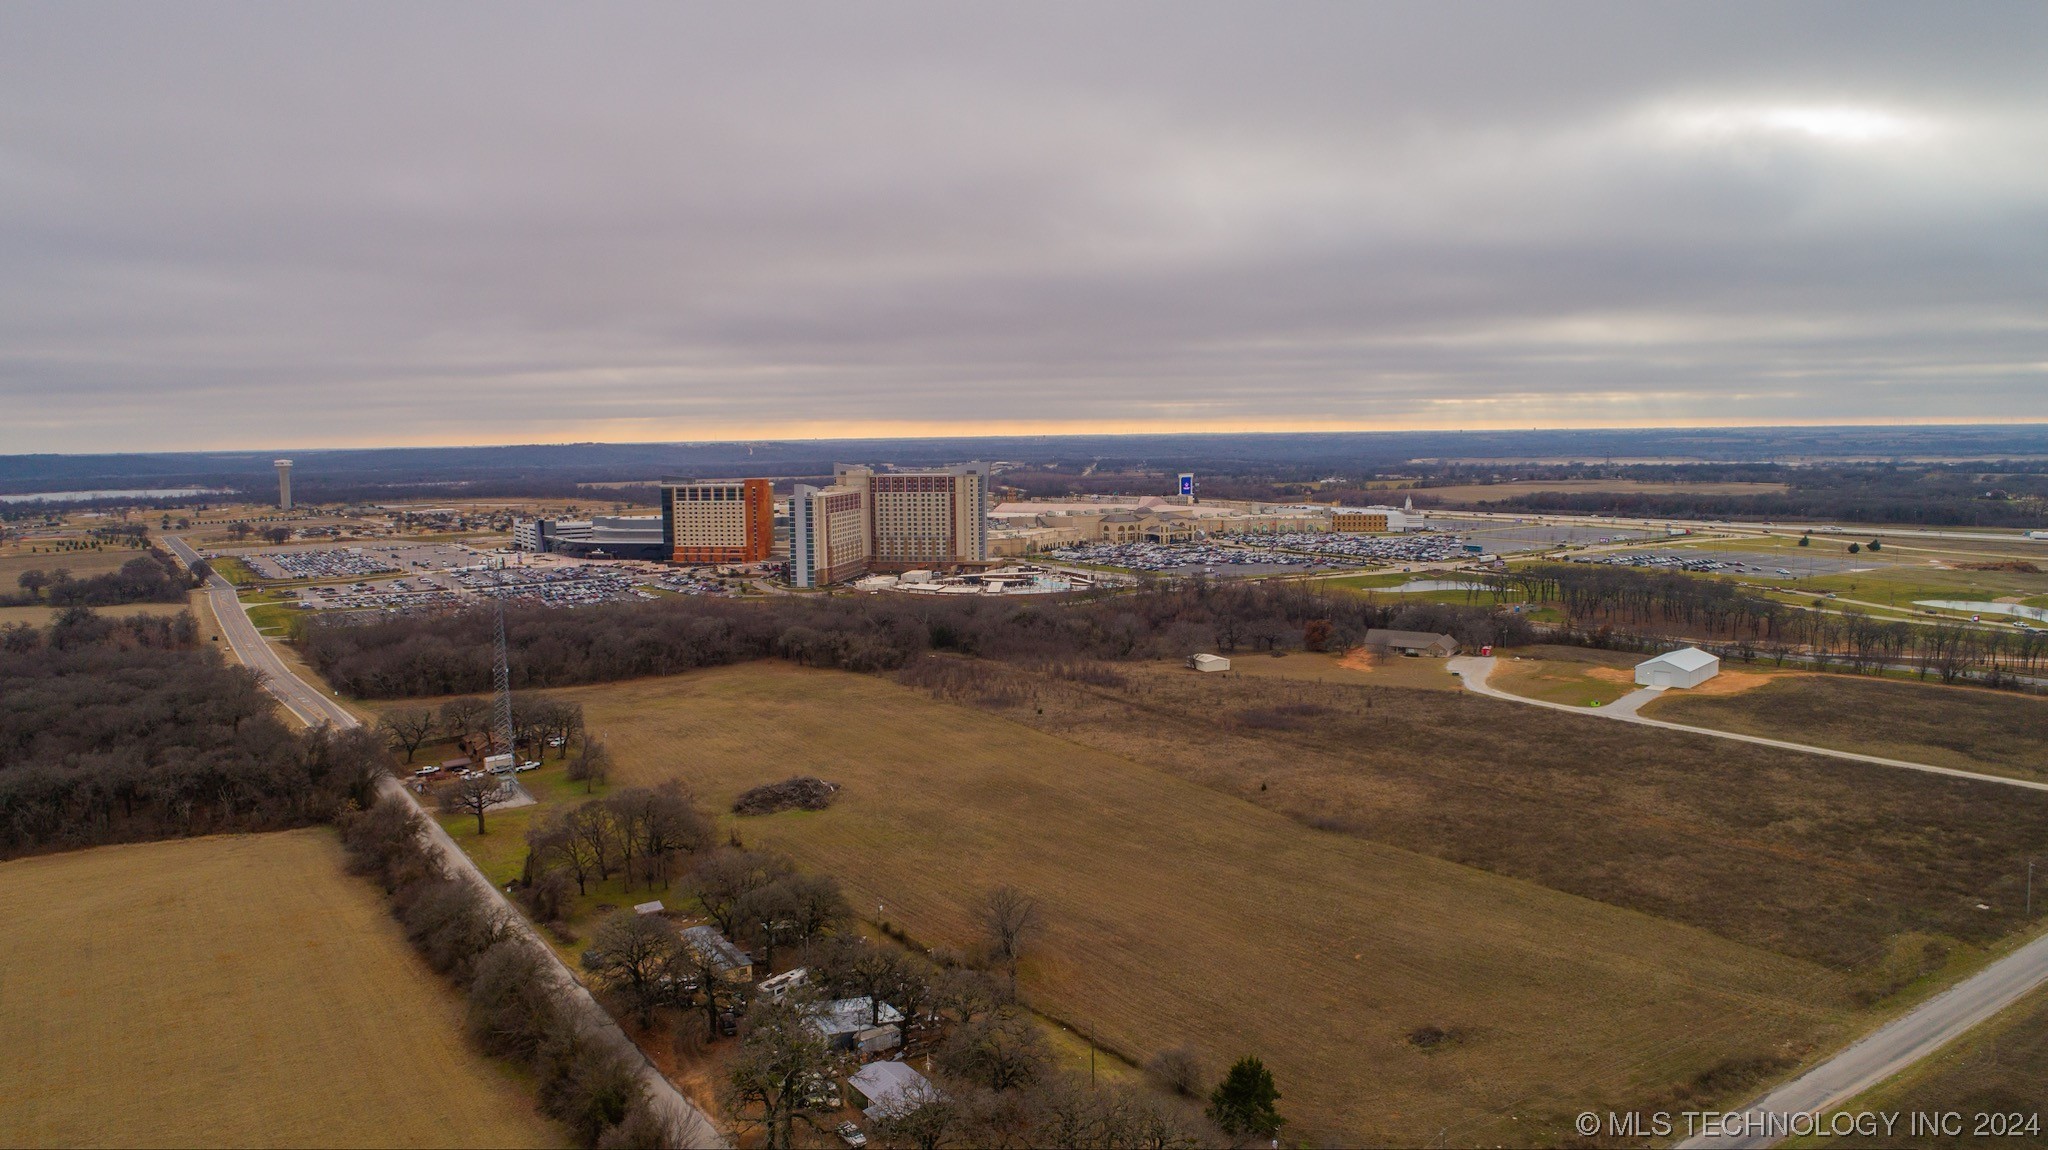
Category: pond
<point>2021,610</point>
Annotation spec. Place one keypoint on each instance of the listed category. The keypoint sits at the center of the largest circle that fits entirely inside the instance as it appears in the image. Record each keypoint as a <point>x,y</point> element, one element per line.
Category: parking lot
<point>1193,558</point>
<point>1757,564</point>
<point>1510,538</point>
<point>1419,548</point>
<point>340,563</point>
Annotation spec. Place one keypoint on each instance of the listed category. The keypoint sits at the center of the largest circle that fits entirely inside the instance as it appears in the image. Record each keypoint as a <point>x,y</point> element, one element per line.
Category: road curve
<point>314,708</point>
<point>1885,1051</point>
<point>1475,670</point>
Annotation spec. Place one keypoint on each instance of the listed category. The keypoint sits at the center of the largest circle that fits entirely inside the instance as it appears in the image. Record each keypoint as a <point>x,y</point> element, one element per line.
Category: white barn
<point>1685,667</point>
<point>1208,662</point>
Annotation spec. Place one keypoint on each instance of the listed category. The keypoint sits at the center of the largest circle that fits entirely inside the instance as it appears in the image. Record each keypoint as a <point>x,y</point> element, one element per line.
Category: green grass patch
<point>234,570</point>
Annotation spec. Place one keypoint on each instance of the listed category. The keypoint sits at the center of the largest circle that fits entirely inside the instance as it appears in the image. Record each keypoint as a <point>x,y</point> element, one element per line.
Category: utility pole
<point>2030,890</point>
<point>501,685</point>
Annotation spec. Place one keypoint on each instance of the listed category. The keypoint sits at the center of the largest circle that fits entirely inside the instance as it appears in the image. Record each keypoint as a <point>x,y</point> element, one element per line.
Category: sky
<point>303,225</point>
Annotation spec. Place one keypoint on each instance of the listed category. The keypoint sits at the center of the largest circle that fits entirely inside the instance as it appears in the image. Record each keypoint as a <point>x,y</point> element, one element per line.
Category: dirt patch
<point>803,793</point>
<point>1611,674</point>
<point>2017,566</point>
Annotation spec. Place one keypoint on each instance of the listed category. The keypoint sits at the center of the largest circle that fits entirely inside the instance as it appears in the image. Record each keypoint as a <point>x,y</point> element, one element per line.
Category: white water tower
<point>284,484</point>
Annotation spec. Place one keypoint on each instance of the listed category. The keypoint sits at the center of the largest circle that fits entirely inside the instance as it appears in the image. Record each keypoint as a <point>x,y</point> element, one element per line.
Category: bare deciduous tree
<point>1010,919</point>
<point>780,1056</point>
<point>638,956</point>
<point>475,795</point>
<point>409,728</point>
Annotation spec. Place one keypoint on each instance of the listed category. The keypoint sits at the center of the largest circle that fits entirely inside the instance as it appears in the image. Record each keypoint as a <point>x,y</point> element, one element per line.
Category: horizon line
<point>909,431</point>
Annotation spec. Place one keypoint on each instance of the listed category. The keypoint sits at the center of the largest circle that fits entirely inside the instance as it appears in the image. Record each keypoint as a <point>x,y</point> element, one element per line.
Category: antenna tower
<point>501,686</point>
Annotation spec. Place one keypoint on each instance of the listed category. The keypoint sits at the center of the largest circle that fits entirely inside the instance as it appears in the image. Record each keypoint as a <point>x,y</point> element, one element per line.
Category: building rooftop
<point>851,1016</point>
<point>1685,659</point>
<point>891,1088</point>
<point>707,938</point>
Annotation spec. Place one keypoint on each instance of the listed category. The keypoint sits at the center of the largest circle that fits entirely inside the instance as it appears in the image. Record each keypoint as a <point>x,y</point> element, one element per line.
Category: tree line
<point>452,653</point>
<point>513,1009</point>
<point>148,578</point>
<point>123,730</point>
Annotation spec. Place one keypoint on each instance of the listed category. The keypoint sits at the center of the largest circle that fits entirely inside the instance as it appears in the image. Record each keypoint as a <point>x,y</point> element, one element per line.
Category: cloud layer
<point>254,225</point>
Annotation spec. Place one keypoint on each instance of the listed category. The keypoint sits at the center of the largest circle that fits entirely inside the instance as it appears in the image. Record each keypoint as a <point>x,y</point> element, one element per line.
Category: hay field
<point>1964,727</point>
<point>230,991</point>
<point>1179,914</point>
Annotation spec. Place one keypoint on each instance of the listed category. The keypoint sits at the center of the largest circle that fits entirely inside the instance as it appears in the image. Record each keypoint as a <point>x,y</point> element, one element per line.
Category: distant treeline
<point>451,654</point>
<point>1628,609</point>
<point>150,578</point>
<point>121,730</point>
<point>2005,494</point>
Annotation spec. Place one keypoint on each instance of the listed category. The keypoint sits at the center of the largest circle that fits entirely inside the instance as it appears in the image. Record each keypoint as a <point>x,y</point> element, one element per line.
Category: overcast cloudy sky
<point>289,225</point>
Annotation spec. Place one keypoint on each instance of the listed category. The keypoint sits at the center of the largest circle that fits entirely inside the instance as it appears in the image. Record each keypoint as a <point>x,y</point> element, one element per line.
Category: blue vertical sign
<point>1187,483</point>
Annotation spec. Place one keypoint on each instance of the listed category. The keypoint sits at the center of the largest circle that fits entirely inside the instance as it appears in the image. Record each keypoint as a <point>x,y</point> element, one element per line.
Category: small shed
<point>1208,663</point>
<point>654,907</point>
<point>890,1089</point>
<point>878,1039</point>
<point>1685,667</point>
<point>1413,642</point>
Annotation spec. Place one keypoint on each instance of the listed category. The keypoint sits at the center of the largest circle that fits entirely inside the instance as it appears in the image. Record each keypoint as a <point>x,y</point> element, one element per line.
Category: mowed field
<point>1964,727</point>
<point>1575,676</point>
<point>230,991</point>
<point>1179,914</point>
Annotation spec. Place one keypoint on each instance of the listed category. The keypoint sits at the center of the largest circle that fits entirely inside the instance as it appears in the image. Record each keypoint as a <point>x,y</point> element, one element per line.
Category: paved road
<point>313,707</point>
<point>1475,670</point>
<point>1885,1051</point>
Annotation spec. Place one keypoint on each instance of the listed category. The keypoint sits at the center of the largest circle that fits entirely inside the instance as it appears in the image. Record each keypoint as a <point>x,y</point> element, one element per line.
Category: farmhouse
<point>732,963</point>
<point>891,1089</point>
<point>1413,642</point>
<point>1208,663</point>
<point>1685,667</point>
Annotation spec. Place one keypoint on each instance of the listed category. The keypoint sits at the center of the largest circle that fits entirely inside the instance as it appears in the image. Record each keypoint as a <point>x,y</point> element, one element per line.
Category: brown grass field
<point>1964,727</point>
<point>41,616</point>
<point>17,559</point>
<point>1857,867</point>
<point>1180,913</point>
<point>231,991</point>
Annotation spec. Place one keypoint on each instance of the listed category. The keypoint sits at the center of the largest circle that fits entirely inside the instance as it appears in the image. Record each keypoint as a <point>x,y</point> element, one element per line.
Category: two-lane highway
<point>298,696</point>
<point>310,705</point>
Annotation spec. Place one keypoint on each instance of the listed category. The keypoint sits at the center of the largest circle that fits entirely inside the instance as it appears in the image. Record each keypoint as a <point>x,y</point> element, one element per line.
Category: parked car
<point>429,769</point>
<point>851,1135</point>
<point>527,766</point>
<point>503,769</point>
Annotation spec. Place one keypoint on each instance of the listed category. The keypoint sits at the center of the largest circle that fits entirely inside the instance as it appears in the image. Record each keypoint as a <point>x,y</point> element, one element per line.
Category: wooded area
<point>452,653</point>
<point>118,730</point>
